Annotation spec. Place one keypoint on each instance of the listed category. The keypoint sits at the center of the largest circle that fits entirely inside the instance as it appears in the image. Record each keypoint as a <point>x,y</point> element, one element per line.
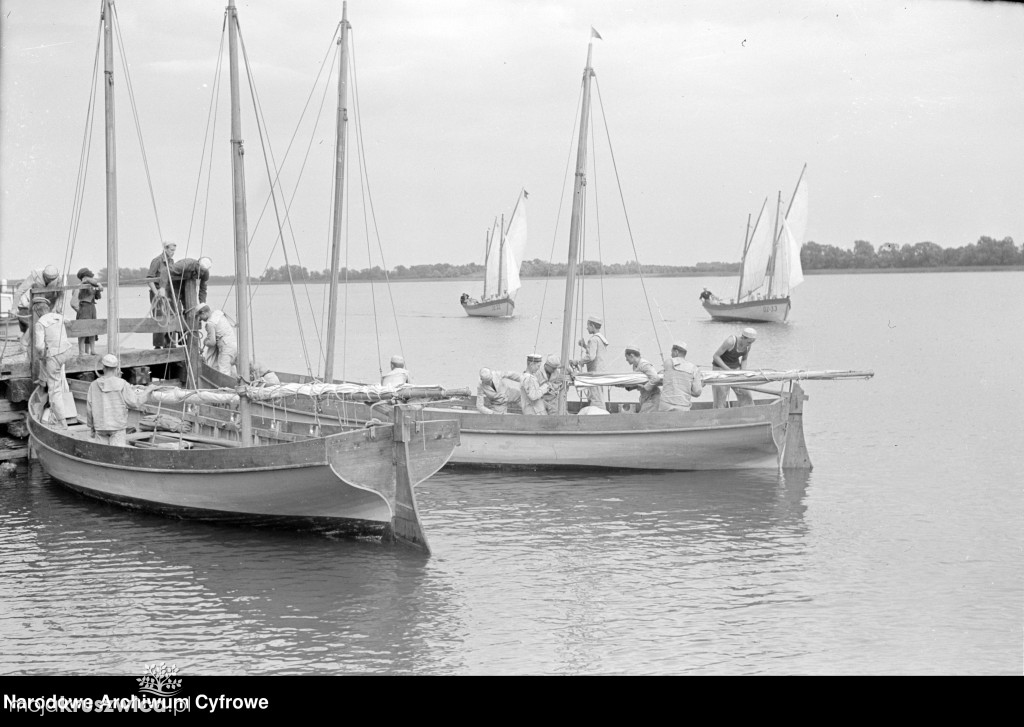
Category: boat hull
<point>343,483</point>
<point>752,437</point>
<point>495,308</point>
<point>771,310</point>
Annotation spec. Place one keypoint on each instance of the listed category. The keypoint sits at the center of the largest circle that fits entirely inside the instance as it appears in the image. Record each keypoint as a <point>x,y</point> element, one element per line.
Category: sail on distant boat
<point>771,266</point>
<point>503,253</point>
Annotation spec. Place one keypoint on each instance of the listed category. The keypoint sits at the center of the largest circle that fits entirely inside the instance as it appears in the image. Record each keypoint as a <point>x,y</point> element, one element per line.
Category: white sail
<point>789,272</point>
<point>755,262</point>
<point>515,246</point>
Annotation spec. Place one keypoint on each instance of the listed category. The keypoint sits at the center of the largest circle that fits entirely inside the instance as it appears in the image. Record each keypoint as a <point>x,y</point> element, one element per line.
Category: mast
<point>775,247</point>
<point>577,218</point>
<point>487,255</point>
<point>339,181</point>
<point>743,258</point>
<point>113,332</point>
<point>501,260</point>
<point>240,226</point>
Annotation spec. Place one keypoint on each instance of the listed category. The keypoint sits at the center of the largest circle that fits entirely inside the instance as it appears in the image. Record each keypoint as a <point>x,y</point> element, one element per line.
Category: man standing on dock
<point>154,278</point>
<point>52,350</point>
<point>107,404</point>
<point>732,354</point>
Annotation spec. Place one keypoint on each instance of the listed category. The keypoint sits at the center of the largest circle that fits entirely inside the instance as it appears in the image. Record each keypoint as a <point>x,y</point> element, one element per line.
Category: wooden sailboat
<point>503,254</point>
<point>768,434</point>
<point>771,266</point>
<point>355,481</point>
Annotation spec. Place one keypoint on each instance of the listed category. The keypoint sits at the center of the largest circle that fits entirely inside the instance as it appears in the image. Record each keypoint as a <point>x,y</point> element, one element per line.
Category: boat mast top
<point>240,224</point>
<point>339,181</point>
<point>577,219</point>
<point>502,285</point>
<point>113,331</point>
<point>775,247</point>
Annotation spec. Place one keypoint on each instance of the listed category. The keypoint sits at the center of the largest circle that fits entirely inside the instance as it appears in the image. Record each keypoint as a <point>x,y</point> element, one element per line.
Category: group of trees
<point>985,252</point>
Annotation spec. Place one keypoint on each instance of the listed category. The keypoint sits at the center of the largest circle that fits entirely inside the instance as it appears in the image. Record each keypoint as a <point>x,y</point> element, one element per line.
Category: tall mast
<point>778,230</point>
<point>487,255</point>
<point>577,217</point>
<point>339,182</point>
<point>775,247</point>
<point>743,258</point>
<point>240,226</point>
<point>501,260</point>
<point>112,269</point>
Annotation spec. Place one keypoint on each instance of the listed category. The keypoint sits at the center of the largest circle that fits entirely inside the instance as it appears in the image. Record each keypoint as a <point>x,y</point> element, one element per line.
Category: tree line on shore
<point>987,252</point>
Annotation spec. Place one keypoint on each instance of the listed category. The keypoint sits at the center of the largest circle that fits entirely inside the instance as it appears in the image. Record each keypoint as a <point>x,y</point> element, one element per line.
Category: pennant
<point>595,34</point>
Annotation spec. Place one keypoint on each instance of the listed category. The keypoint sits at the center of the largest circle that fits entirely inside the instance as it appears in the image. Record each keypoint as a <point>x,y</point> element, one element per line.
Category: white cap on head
<point>595,320</point>
<point>632,349</point>
<point>109,361</point>
<point>51,271</point>
<point>397,360</point>
<point>169,243</point>
<point>553,360</point>
<point>205,263</point>
<point>749,333</point>
<point>485,374</point>
<point>681,345</point>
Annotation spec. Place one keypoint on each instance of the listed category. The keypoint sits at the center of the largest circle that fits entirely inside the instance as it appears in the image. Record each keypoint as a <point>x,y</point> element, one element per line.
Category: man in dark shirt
<point>154,276</point>
<point>732,354</point>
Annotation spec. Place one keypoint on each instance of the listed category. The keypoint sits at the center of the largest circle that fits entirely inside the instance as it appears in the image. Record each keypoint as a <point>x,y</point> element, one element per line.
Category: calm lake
<point>900,553</point>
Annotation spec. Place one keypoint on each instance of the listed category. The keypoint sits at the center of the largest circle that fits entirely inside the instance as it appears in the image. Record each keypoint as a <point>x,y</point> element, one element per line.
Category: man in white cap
<point>595,345</point>
<point>494,394</point>
<point>49,278</point>
<point>52,350</point>
<point>220,345</point>
<point>733,354</point>
<point>154,278</point>
<point>533,390</point>
<point>681,380</point>
<point>398,374</point>
<point>650,390</point>
<point>173,277</point>
<point>107,404</point>
<point>548,374</point>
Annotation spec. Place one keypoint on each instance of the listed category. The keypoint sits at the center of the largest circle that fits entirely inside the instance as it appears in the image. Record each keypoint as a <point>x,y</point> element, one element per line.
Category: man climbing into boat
<point>493,394</point>
<point>533,390</point>
<point>53,349</point>
<point>733,354</point>
<point>398,374</point>
<point>595,345</point>
<point>49,278</point>
<point>107,404</point>
<point>650,391</point>
<point>220,345</point>
<point>681,380</point>
<point>174,275</point>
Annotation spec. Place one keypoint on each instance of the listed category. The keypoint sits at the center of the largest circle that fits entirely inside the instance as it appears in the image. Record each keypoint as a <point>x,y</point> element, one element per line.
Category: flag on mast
<point>595,34</point>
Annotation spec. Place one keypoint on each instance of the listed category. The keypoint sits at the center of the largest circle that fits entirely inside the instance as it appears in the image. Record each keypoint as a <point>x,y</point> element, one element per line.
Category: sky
<point>907,115</point>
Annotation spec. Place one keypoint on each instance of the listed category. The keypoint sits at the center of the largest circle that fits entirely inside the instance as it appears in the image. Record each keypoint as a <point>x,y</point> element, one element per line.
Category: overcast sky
<point>908,116</point>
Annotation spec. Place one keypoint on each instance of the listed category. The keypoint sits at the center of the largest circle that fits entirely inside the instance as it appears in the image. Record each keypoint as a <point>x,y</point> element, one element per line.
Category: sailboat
<point>771,265</point>
<point>767,435</point>
<point>233,466</point>
<point>503,254</point>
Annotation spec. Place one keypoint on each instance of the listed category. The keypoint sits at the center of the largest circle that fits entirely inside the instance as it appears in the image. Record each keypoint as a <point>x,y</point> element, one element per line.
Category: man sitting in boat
<point>706,295</point>
<point>548,374</point>
<point>262,375</point>
<point>595,345</point>
<point>650,391</point>
<point>494,394</point>
<point>107,404</point>
<point>398,374</point>
<point>681,380</point>
<point>533,390</point>
<point>732,354</point>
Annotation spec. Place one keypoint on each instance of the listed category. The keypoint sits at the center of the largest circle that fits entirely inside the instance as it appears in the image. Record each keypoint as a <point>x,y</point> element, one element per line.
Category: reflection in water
<point>109,590</point>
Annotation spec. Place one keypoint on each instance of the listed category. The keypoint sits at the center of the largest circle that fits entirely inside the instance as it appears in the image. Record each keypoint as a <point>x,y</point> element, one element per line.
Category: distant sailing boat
<point>502,258</point>
<point>771,265</point>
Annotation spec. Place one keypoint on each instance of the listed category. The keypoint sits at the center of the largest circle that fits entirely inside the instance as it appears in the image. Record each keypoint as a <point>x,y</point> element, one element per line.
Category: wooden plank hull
<point>343,483</point>
<point>495,308</point>
<point>771,310</point>
<point>704,439</point>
